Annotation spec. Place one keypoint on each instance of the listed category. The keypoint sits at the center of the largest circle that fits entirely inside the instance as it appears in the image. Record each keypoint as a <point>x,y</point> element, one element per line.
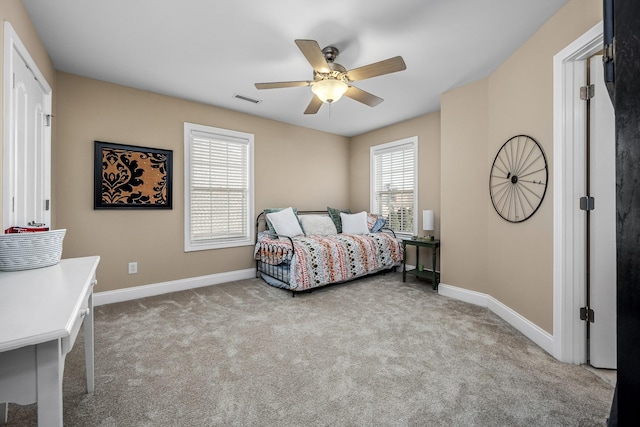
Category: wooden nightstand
<point>433,275</point>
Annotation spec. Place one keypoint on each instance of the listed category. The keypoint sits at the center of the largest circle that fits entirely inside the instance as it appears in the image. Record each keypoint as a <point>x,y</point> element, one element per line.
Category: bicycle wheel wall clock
<point>518,179</point>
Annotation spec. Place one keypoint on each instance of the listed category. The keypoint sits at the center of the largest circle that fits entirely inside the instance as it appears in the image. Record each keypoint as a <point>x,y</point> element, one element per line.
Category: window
<point>218,165</point>
<point>394,184</point>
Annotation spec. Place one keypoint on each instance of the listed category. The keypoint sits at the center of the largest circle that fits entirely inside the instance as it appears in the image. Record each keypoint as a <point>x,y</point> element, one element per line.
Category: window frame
<point>229,135</point>
<point>387,147</point>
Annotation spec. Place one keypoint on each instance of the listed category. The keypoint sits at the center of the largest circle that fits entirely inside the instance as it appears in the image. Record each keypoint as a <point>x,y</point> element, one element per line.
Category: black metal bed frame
<point>273,269</point>
<point>281,271</point>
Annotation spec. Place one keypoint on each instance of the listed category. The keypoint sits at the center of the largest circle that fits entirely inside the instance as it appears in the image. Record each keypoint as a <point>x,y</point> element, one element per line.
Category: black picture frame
<point>132,177</point>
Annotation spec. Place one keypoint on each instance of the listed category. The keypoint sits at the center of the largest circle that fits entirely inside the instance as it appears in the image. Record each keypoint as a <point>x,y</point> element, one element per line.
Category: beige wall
<point>465,183</point>
<point>287,172</point>
<point>427,129</point>
<point>14,12</point>
<point>519,100</point>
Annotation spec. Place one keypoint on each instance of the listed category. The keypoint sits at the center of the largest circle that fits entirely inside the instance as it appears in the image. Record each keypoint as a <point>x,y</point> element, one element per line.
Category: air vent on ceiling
<point>246,98</point>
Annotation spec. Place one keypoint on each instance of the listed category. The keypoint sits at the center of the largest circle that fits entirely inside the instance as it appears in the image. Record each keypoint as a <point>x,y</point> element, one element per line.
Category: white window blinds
<point>219,196</point>
<point>394,184</point>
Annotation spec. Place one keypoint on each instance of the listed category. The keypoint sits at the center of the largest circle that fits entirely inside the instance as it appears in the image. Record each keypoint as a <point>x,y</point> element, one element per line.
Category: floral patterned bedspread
<point>321,260</point>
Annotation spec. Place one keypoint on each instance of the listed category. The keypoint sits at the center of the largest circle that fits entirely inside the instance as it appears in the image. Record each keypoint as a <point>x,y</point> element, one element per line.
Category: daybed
<point>303,250</point>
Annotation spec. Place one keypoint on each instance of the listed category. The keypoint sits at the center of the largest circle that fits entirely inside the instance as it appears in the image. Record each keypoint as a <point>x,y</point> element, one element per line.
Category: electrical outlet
<point>133,267</point>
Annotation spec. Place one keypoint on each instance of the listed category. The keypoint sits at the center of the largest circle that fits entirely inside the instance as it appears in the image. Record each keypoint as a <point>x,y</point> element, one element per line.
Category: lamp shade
<point>329,90</point>
<point>428,220</point>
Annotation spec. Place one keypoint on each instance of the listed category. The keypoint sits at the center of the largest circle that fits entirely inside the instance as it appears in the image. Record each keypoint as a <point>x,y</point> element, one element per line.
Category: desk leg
<point>50,365</point>
<point>4,413</point>
<point>88,346</point>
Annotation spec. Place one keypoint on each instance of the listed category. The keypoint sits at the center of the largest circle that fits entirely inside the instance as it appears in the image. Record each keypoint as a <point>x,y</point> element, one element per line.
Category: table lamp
<point>428,221</point>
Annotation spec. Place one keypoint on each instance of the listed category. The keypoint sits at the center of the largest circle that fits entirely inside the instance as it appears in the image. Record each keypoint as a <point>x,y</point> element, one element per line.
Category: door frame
<point>13,46</point>
<point>569,159</point>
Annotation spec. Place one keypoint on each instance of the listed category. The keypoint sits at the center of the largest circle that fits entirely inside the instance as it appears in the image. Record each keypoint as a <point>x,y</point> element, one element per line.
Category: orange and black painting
<point>128,176</point>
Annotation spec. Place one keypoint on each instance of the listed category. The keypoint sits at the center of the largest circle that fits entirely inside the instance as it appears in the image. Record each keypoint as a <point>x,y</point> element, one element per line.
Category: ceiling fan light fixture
<point>331,80</point>
<point>329,90</point>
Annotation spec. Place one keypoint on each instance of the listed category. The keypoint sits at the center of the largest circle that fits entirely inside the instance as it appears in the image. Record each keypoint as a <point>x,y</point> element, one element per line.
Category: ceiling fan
<point>331,80</point>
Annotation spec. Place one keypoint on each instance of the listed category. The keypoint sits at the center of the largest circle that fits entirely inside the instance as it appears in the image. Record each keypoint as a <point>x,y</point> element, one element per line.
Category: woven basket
<point>25,251</point>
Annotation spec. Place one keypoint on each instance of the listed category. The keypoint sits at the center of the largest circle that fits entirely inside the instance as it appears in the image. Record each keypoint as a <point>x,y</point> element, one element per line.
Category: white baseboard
<point>120,295</point>
<point>522,324</point>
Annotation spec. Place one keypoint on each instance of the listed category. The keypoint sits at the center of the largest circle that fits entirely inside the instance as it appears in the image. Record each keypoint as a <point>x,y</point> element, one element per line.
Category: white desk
<point>41,312</point>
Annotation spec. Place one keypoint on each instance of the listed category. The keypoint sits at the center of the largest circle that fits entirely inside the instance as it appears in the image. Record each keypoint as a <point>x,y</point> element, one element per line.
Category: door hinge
<point>587,203</point>
<point>14,81</point>
<point>587,314</point>
<point>47,119</point>
<point>46,205</point>
<point>587,92</point>
<point>609,54</point>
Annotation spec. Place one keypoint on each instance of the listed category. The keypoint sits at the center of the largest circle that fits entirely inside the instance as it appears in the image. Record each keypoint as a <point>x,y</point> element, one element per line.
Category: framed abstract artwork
<point>132,177</point>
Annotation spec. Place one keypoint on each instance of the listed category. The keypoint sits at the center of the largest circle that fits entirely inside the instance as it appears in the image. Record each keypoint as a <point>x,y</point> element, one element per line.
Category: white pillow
<point>318,225</point>
<point>354,223</point>
<point>285,223</point>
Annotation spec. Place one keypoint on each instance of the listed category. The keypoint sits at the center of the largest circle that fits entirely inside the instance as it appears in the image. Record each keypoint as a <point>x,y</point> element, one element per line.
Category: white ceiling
<point>209,50</point>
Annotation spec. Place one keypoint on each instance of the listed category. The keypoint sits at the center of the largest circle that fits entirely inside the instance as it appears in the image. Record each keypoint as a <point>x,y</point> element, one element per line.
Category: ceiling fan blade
<point>314,105</point>
<point>387,66</point>
<point>311,50</point>
<point>362,96</point>
<point>277,85</point>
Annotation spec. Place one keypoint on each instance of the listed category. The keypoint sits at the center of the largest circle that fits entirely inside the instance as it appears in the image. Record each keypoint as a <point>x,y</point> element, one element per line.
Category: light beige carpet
<point>373,352</point>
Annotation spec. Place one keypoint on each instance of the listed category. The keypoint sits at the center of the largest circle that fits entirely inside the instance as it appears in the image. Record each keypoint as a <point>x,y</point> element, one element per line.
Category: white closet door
<point>27,150</point>
<point>602,347</point>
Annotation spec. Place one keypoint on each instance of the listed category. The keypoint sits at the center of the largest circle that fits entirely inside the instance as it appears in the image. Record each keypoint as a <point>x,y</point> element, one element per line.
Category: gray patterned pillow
<point>318,225</point>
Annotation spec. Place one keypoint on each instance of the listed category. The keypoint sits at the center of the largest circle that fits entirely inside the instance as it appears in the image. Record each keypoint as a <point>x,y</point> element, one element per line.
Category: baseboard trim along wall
<point>530,330</point>
<point>128,294</point>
